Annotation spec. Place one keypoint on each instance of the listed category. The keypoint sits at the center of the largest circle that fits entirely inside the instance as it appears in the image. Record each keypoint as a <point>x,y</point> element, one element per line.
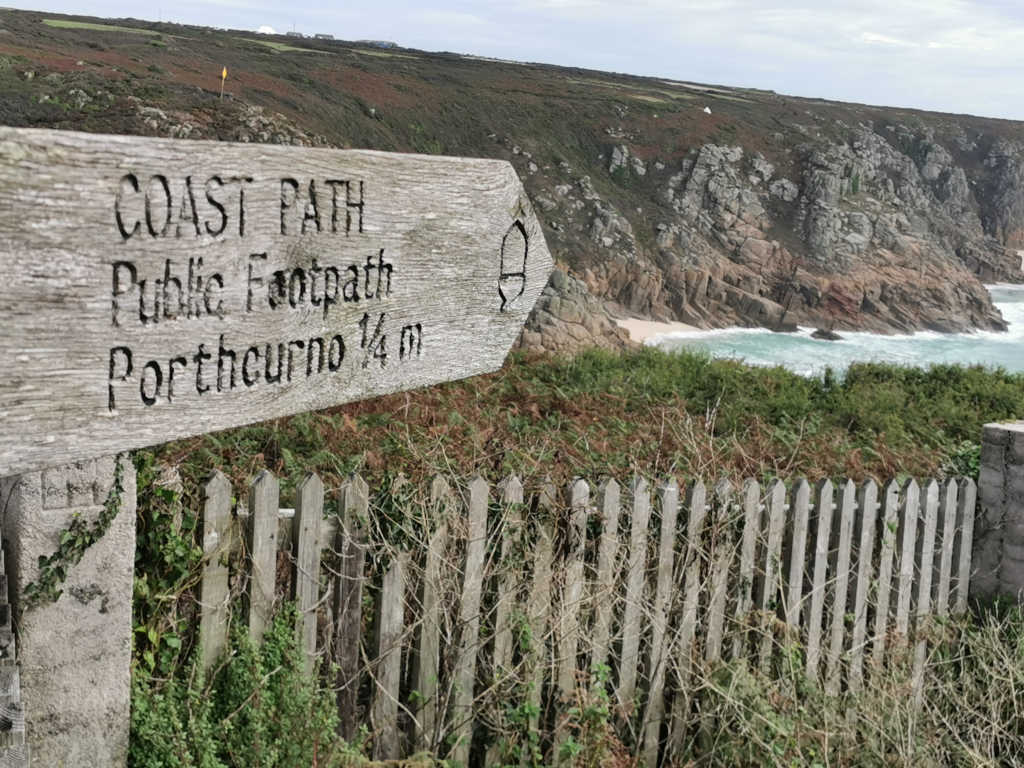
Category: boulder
<point>826,335</point>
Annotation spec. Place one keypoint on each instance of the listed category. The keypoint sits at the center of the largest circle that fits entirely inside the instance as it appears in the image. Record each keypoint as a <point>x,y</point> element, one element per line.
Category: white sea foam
<point>805,355</point>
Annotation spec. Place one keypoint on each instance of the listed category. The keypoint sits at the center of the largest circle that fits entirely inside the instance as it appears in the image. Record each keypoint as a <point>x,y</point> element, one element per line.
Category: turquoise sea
<point>800,353</point>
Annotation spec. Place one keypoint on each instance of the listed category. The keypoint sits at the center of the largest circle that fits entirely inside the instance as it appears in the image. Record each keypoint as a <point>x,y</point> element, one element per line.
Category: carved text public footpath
<point>180,292</point>
<point>156,289</point>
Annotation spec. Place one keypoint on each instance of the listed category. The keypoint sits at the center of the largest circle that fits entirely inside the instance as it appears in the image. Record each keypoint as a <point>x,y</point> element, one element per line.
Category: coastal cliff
<point>660,199</point>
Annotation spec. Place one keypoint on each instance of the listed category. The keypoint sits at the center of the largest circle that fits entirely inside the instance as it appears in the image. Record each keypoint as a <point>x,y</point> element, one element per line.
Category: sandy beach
<point>641,330</point>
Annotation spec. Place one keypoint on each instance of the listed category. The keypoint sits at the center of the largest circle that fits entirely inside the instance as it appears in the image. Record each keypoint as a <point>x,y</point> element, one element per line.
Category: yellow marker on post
<point>223,77</point>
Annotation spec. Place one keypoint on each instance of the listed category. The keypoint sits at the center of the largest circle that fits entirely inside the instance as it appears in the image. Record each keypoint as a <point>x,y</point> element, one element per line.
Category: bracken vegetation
<point>658,413</point>
<point>651,412</point>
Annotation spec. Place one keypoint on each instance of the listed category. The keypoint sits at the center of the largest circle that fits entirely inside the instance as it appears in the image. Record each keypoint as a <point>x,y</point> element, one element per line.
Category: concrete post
<point>998,561</point>
<point>74,653</point>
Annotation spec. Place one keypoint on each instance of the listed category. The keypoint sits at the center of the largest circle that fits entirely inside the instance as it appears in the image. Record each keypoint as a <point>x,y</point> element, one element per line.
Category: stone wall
<point>74,654</point>
<point>998,568</point>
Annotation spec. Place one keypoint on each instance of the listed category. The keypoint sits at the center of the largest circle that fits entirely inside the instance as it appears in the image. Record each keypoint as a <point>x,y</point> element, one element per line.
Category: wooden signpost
<point>155,289</point>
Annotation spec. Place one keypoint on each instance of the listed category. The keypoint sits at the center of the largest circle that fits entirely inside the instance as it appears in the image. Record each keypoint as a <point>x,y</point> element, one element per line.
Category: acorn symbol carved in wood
<point>515,247</point>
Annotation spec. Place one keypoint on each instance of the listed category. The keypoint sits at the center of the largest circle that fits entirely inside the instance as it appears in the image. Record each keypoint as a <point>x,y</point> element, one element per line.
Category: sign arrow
<point>157,289</point>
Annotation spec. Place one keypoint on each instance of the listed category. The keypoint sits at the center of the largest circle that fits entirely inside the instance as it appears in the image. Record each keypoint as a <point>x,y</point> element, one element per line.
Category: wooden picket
<point>309,512</point>
<point>504,610</point>
<point>352,544</point>
<point>214,593</point>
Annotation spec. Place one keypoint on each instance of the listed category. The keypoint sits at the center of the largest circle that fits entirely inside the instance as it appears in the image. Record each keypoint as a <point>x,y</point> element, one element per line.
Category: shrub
<point>258,709</point>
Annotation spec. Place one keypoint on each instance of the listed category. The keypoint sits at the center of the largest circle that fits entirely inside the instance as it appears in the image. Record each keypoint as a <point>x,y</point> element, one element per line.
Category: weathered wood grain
<point>907,549</point>
<point>771,587</point>
<point>538,610</point>
<point>925,567</point>
<point>569,609</point>
<point>668,496</point>
<point>965,515</point>
<point>353,500</point>
<point>469,620</point>
<point>213,591</point>
<point>867,516</point>
<point>509,581</point>
<point>511,541</point>
<point>823,530</point>
<point>798,552</point>
<point>636,571</point>
<point>309,512</point>
<point>572,592</point>
<point>262,545</point>
<point>388,670</point>
<point>946,539</point>
<point>840,585</point>
<point>90,223</point>
<point>748,551</point>
<point>604,593</point>
<point>723,553</point>
<point>442,506</point>
<point>887,554</point>
<point>682,651</point>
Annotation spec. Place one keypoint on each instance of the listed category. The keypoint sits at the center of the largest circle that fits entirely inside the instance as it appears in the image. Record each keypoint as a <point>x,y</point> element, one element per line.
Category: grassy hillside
<point>669,199</point>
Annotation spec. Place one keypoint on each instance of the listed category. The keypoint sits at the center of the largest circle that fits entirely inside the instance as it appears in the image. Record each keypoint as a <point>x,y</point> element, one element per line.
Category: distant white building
<point>323,37</point>
<point>293,33</point>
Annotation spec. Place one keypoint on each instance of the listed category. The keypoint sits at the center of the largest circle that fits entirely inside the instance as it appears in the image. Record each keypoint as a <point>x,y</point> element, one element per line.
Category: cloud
<point>873,38</point>
<point>266,30</point>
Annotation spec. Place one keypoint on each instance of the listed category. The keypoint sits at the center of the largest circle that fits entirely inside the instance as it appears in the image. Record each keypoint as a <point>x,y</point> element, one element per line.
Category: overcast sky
<point>948,55</point>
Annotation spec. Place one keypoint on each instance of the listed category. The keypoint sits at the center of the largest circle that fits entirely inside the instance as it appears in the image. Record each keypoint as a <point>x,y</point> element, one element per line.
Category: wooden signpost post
<point>155,289</point>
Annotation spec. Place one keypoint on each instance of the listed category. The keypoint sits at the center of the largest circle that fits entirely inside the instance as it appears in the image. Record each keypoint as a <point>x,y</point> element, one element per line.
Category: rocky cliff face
<point>568,318</point>
<point>889,230</point>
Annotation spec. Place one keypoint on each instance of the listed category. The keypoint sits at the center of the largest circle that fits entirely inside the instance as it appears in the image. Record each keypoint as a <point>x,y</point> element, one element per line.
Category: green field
<point>279,47</point>
<point>64,24</point>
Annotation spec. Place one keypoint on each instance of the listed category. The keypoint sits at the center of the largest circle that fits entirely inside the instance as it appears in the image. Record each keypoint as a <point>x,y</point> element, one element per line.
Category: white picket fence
<point>470,621</point>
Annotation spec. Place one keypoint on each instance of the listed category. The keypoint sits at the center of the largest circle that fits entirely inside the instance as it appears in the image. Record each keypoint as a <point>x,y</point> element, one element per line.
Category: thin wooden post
<point>840,594</point>
<point>633,609</point>
<point>925,565</point>
<point>213,592</point>
<point>907,545</point>
<point>798,553</point>
<point>823,531</point>
<point>867,504</point>
<point>723,553</point>
<point>428,658</point>
<point>947,538</point>
<point>309,512</point>
<point>353,501</point>
<point>538,608</point>
<point>605,593</point>
<point>511,542</point>
<point>668,496</point>
<point>511,490</point>
<point>388,669</point>
<point>965,515</point>
<point>568,624</point>
<point>572,593</point>
<point>469,620</point>
<point>771,586</point>
<point>262,543</point>
<point>890,527</point>
<point>682,650</point>
<point>748,550</point>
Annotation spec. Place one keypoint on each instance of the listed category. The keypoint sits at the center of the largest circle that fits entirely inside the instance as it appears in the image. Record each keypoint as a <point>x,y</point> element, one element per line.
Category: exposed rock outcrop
<point>886,231</point>
<point>567,318</point>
